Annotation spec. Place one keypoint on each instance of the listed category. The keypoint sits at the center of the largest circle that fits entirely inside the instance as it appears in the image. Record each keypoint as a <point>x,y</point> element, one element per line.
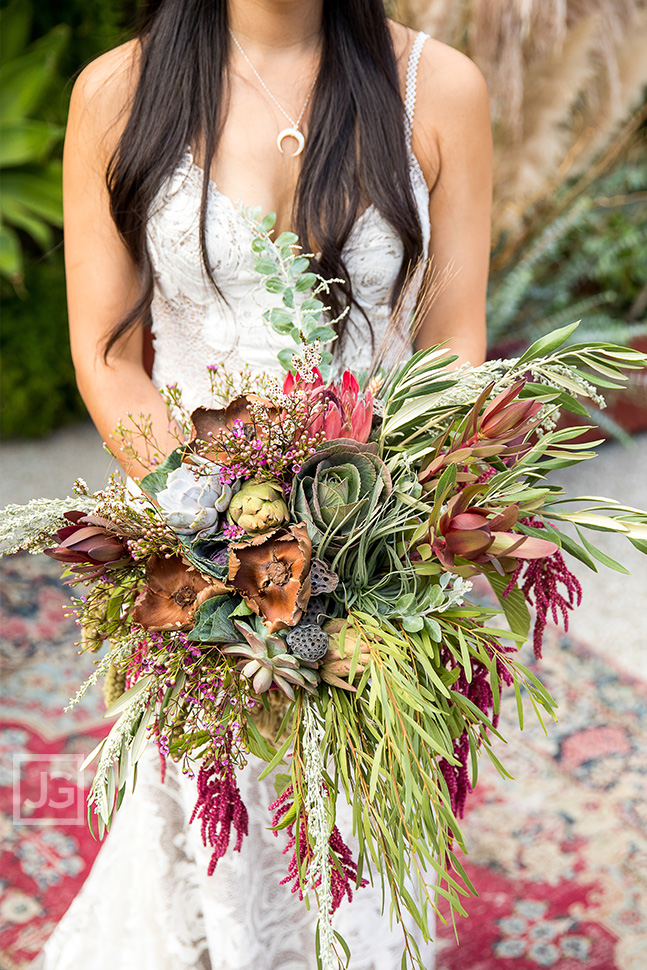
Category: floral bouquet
<point>293,584</point>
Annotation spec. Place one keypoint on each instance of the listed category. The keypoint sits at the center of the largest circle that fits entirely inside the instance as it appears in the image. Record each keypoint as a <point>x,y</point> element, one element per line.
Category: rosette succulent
<point>266,662</point>
<point>191,502</point>
<point>338,489</point>
<point>258,507</point>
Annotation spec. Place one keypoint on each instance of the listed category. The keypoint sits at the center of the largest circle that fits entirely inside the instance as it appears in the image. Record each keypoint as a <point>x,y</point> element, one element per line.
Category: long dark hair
<point>355,151</point>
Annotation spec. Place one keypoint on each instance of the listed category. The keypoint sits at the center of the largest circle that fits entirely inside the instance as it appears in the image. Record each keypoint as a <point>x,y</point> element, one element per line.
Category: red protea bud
<point>504,417</point>
<point>89,549</point>
<point>479,536</point>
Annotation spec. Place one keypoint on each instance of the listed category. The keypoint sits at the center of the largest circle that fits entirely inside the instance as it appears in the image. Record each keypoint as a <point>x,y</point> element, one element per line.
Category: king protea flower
<point>340,411</point>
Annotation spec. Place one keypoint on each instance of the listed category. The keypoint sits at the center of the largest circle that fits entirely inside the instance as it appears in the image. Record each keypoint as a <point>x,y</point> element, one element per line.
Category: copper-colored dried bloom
<point>210,425</point>
<point>272,573</point>
<point>173,593</point>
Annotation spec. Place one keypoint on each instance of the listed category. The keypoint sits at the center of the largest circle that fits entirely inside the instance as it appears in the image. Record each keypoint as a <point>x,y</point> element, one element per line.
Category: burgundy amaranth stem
<point>220,807</point>
<point>479,691</point>
<point>340,882</point>
<point>541,588</point>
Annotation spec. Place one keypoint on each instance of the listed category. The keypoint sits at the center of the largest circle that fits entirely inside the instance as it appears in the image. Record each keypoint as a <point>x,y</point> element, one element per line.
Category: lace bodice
<point>193,327</point>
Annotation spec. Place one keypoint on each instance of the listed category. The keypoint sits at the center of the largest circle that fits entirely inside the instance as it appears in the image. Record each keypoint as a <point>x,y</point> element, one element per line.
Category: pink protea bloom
<point>339,409</point>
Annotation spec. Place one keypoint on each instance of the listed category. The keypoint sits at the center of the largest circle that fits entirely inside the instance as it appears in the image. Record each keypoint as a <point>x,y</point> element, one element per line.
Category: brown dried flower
<point>215,425</point>
<point>173,593</point>
<point>272,573</point>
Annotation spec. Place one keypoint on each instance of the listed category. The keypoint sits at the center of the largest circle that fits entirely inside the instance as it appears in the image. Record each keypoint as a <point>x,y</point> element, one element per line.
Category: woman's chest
<point>372,255</point>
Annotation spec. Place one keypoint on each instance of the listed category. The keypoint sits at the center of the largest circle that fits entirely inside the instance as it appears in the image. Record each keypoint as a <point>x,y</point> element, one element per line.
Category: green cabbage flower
<point>338,489</point>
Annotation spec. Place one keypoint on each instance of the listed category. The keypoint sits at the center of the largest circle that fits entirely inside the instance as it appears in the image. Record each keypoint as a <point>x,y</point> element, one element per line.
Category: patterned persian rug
<point>558,855</point>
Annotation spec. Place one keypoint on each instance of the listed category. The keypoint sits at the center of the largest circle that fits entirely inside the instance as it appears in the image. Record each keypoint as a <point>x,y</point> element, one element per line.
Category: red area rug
<point>558,854</point>
<point>46,849</point>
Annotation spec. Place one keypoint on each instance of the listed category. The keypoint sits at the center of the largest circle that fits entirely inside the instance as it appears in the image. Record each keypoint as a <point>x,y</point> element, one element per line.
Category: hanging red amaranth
<point>541,588</point>
<point>479,691</point>
<point>340,882</point>
<point>220,807</point>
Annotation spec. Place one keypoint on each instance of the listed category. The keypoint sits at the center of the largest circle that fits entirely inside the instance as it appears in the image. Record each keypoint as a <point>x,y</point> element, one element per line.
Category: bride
<point>371,142</point>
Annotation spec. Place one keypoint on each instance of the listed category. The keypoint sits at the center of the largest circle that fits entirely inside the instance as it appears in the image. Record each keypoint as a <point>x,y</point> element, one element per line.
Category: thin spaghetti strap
<point>410,90</point>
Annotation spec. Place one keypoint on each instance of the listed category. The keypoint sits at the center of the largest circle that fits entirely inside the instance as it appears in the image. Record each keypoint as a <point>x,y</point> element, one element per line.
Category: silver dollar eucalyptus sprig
<point>285,271</point>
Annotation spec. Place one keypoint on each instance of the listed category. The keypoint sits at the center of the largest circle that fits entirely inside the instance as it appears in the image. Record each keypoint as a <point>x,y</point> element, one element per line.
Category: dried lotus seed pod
<point>308,641</point>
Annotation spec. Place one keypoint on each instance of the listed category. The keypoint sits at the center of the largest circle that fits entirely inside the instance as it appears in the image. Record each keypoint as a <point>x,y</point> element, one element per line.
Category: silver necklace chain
<point>294,124</point>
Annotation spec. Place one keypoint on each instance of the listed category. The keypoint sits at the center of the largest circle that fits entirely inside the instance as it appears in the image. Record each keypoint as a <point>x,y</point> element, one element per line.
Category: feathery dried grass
<point>563,75</point>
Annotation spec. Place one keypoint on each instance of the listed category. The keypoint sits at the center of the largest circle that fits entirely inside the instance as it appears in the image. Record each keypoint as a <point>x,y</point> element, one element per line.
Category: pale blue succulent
<point>191,503</point>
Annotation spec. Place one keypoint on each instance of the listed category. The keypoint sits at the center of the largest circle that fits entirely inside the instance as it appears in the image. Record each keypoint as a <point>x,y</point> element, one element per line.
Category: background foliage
<point>38,387</point>
<point>566,83</point>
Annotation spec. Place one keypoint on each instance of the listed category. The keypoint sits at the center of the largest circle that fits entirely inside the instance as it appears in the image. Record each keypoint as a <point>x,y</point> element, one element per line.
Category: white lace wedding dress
<point>148,903</point>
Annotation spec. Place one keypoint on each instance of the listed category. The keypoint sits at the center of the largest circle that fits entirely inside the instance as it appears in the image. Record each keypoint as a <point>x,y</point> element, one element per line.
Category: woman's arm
<point>453,142</point>
<point>102,281</point>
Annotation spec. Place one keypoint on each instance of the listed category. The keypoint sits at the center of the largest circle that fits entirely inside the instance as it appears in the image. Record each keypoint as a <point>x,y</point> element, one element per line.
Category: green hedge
<point>36,374</point>
<point>97,26</point>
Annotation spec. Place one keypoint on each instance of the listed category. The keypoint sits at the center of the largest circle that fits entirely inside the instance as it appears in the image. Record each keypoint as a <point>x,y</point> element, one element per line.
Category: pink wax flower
<point>339,409</point>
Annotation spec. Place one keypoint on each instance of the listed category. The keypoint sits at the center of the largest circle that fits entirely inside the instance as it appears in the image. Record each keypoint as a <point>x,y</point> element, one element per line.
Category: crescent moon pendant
<point>291,133</point>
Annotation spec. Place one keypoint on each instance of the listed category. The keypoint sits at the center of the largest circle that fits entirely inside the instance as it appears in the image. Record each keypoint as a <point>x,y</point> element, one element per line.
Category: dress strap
<point>410,90</point>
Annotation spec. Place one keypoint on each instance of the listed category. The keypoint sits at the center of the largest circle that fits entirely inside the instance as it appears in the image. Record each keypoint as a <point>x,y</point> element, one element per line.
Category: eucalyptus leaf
<point>213,622</point>
<point>155,481</point>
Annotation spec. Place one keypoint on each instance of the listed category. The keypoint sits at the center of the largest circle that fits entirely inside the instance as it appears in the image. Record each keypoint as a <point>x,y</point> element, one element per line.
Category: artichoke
<point>258,507</point>
<point>338,489</point>
<point>191,503</point>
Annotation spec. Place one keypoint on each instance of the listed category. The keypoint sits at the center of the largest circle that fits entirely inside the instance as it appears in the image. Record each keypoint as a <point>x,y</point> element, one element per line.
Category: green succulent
<point>258,507</point>
<point>266,662</point>
<point>338,489</point>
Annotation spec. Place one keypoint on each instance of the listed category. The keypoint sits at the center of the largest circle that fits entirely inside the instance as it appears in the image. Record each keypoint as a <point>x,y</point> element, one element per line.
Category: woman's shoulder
<point>104,89</point>
<point>441,69</point>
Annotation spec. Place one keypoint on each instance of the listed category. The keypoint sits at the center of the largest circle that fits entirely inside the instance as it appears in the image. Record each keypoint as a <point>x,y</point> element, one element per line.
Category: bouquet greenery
<point>293,583</point>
